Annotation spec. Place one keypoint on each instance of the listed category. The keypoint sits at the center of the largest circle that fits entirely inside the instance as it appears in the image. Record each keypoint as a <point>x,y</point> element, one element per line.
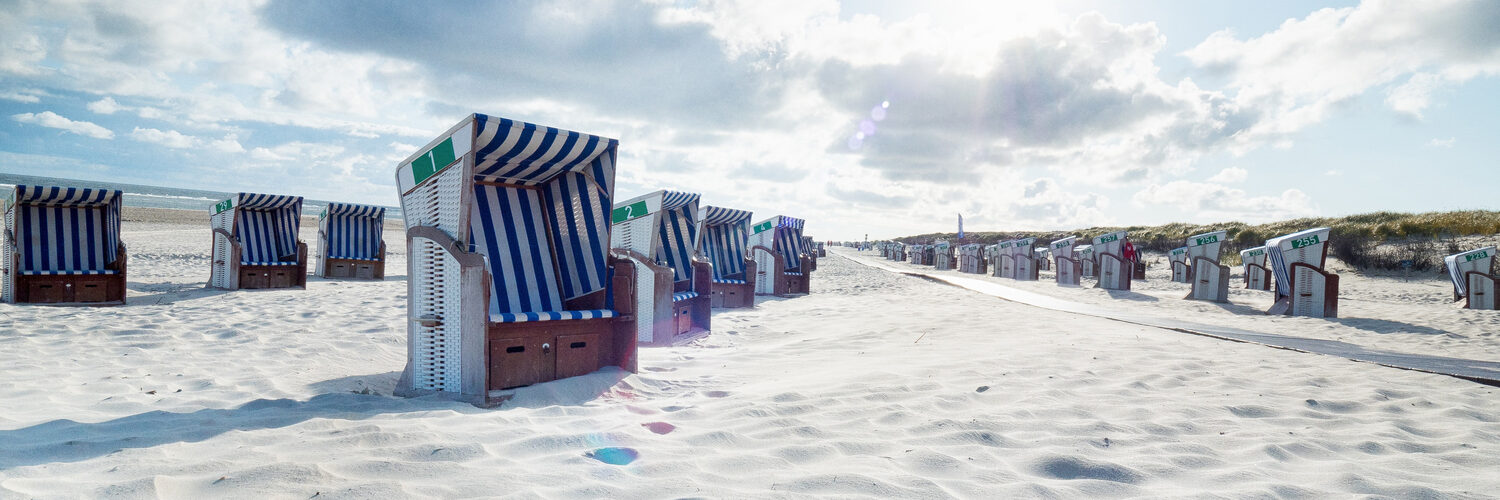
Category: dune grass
<point>1378,240</point>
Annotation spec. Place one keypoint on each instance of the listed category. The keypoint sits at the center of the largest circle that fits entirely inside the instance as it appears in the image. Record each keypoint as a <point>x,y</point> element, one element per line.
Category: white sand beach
<point>876,385</point>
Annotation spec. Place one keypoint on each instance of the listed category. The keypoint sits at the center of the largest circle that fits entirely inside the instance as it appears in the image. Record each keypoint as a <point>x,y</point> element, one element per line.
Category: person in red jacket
<point>1128,251</point>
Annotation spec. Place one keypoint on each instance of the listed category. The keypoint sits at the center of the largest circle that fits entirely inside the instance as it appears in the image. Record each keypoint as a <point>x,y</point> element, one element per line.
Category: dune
<point>877,385</point>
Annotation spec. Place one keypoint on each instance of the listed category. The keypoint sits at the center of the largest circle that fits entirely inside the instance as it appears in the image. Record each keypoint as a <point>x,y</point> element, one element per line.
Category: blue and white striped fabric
<point>676,233</point>
<point>681,296</point>
<point>1280,271</point>
<point>66,231</point>
<point>267,263</point>
<point>729,281</point>
<point>508,226</point>
<point>574,176</point>
<point>792,273</point>
<point>527,317</point>
<point>353,231</point>
<point>267,227</point>
<point>726,232</point>
<point>789,242</point>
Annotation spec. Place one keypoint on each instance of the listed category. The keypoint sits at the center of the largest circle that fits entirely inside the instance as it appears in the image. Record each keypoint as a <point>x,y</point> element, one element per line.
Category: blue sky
<point>864,117</point>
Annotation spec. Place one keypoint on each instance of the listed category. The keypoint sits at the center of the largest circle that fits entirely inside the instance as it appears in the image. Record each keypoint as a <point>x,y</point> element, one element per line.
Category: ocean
<point>137,195</point>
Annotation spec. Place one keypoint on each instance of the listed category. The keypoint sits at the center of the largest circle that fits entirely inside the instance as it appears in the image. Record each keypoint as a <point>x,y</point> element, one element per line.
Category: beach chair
<point>1257,275</point>
<point>914,254</point>
<point>1177,258</point>
<point>1114,271</point>
<point>256,243</point>
<point>1005,251</point>
<point>724,237</point>
<point>810,247</point>
<point>62,246</point>
<point>1042,257</point>
<point>1069,271</point>
<point>659,232</point>
<point>1210,280</point>
<point>511,281</point>
<point>822,250</point>
<point>1303,288</point>
<point>971,258</point>
<point>1086,262</point>
<point>781,265</point>
<point>992,259</point>
<point>1473,277</point>
<point>351,242</point>
<point>942,256</point>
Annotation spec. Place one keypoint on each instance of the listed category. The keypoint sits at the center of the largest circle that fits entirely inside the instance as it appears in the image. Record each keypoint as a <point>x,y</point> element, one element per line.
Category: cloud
<point>1206,201</point>
<point>1230,175</point>
<point>1442,143</point>
<point>177,140</point>
<point>53,120</point>
<point>29,96</point>
<point>105,106</point>
<point>1299,72</point>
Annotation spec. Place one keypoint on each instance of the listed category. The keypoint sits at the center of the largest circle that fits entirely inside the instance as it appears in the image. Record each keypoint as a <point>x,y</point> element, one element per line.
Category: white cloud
<point>1209,202</point>
<point>53,120</point>
<point>168,138</point>
<point>105,106</point>
<point>1333,173</point>
<point>29,96</point>
<point>1442,143</point>
<point>1300,71</point>
<point>1231,175</point>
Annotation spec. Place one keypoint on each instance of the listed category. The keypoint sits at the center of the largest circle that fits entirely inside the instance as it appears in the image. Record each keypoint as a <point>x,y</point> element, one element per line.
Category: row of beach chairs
<point>1293,263</point>
<point>522,268</point>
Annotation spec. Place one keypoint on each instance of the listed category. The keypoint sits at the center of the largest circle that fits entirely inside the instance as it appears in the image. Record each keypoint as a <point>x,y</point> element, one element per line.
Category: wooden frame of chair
<point>88,276</point>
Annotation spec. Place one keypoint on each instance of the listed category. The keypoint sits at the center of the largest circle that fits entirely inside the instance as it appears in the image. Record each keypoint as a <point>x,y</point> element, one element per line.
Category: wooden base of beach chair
<point>1069,271</point>
<point>1315,293</point>
<point>522,354</point>
<point>253,277</point>
<point>355,269</point>
<point>1210,281</point>
<point>1140,271</point>
<point>1481,291</point>
<point>93,289</point>
<point>1257,277</point>
<point>1181,272</point>
<point>733,296</point>
<point>1115,273</point>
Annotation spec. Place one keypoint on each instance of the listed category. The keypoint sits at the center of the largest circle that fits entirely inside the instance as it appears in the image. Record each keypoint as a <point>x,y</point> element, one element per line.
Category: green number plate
<point>631,211</point>
<point>1207,239</point>
<point>1107,239</point>
<point>223,205</point>
<point>1305,241</point>
<point>761,228</point>
<point>1477,255</point>
<point>432,161</point>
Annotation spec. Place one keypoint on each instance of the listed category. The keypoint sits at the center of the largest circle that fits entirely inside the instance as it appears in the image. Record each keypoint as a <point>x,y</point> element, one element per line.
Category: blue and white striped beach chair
<point>1473,277</point>
<point>724,237</point>
<point>659,232</point>
<point>511,281</point>
<point>1303,288</point>
<point>62,246</point>
<point>942,255</point>
<point>781,264</point>
<point>351,242</point>
<point>255,242</point>
<point>810,247</point>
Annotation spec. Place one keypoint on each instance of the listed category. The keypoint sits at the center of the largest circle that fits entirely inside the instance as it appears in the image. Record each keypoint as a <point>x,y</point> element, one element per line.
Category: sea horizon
<point>146,196</point>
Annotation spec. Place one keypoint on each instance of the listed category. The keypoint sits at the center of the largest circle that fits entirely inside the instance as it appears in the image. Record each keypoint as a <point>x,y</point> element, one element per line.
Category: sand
<point>877,385</point>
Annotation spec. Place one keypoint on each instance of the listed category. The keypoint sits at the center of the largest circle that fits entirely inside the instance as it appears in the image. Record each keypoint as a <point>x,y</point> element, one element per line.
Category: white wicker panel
<point>1308,290</point>
<point>6,273</point>
<point>765,272</point>
<point>1481,293</point>
<point>219,278</point>
<point>434,284</point>
<point>645,303</point>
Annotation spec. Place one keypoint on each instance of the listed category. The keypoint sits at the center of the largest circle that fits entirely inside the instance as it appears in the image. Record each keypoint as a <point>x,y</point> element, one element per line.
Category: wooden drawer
<point>364,270</point>
<point>577,355</point>
<point>46,290</point>
<point>91,289</point>
<point>517,362</point>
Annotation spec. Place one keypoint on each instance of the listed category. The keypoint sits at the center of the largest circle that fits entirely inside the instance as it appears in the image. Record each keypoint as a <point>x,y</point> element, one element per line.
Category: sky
<point>865,117</point>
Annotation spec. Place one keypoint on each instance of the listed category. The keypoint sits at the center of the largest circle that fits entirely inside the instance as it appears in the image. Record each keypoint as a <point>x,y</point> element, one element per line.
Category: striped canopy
<point>542,199</point>
<point>789,240</point>
<point>352,231</point>
<point>676,232</point>
<point>65,230</point>
<point>725,234</point>
<point>267,227</point>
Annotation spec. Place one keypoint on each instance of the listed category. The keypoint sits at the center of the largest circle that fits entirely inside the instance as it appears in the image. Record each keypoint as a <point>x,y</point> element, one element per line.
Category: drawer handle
<point>515,349</point>
<point>578,345</point>
<point>546,348</point>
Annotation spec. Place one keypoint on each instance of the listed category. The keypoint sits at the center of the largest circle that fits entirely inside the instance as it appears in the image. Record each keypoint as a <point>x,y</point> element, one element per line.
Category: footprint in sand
<point>614,456</point>
<point>717,394</point>
<point>659,427</point>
